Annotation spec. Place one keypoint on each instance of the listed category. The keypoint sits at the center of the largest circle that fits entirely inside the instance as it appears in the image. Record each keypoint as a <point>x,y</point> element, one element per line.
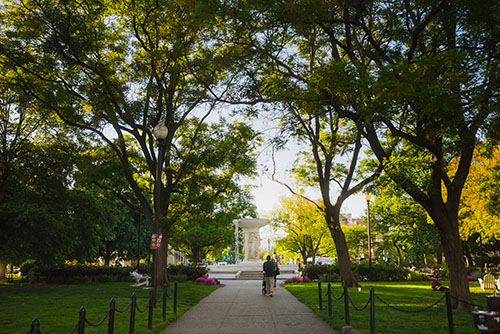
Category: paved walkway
<point>239,307</point>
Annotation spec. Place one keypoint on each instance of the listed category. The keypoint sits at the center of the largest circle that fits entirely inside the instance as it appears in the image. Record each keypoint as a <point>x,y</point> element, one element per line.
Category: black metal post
<point>329,299</point>
<point>175,297</point>
<point>346,305</point>
<point>81,321</point>
<point>111,320</point>
<point>35,326</point>
<point>132,314</point>
<point>164,312</point>
<point>372,311</point>
<point>320,296</point>
<point>449,310</point>
<point>151,305</point>
<point>369,238</point>
<point>139,241</point>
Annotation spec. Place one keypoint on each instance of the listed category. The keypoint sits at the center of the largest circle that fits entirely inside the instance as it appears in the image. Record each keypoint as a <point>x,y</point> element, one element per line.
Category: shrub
<point>381,271</point>
<point>330,277</point>
<point>190,272</point>
<point>28,269</point>
<point>315,270</point>
<point>178,278</point>
<point>75,273</point>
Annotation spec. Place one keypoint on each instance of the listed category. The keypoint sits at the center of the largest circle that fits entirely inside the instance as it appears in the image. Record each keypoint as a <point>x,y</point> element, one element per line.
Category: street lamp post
<point>368,198</point>
<point>160,132</point>
<point>139,241</point>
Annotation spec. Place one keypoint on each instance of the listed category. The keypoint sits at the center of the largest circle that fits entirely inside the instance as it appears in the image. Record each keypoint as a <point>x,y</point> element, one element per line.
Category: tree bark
<point>161,258</point>
<point>3,269</point>
<point>345,267</point>
<point>454,254</point>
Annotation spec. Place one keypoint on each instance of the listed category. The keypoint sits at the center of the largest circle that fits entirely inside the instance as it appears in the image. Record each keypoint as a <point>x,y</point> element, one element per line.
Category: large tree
<point>417,77</point>
<point>118,68</point>
<point>290,65</point>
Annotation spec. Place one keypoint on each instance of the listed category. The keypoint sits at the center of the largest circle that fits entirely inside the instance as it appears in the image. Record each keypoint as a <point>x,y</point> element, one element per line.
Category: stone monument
<point>251,237</point>
<point>251,267</point>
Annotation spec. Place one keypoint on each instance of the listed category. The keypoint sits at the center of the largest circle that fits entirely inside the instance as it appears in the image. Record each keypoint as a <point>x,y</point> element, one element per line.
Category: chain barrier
<point>466,302</point>
<point>407,311</point>
<point>74,328</point>
<point>100,323</point>
<point>144,310</point>
<point>125,309</point>
<point>333,295</point>
<point>339,297</point>
<point>359,309</point>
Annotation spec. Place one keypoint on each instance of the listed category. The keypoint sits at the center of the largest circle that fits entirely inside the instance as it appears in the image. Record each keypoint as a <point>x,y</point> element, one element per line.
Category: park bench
<point>488,282</point>
<point>140,279</point>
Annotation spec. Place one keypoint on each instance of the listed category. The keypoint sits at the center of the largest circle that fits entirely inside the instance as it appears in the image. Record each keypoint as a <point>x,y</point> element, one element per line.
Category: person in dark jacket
<point>269,268</point>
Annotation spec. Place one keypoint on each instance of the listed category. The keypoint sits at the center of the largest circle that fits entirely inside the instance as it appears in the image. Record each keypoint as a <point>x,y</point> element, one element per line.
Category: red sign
<point>155,241</point>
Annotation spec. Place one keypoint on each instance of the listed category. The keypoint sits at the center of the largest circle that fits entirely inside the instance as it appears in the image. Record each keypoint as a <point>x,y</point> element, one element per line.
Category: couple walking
<point>270,269</point>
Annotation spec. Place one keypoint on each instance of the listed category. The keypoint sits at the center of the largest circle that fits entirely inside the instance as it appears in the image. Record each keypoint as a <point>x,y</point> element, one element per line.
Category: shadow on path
<point>239,307</point>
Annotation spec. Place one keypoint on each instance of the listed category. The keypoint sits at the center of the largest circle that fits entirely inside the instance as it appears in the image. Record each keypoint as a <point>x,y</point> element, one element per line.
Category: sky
<point>267,193</point>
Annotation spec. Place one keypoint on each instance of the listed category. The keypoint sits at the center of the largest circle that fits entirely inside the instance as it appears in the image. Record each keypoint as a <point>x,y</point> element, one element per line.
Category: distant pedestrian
<point>268,268</point>
<point>436,286</point>
<point>299,265</point>
<point>276,272</point>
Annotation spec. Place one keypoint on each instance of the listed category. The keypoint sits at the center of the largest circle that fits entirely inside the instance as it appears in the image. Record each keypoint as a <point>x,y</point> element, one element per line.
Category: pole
<point>320,296</point>
<point>139,241</point>
<point>157,216</point>
<point>372,311</point>
<point>369,239</point>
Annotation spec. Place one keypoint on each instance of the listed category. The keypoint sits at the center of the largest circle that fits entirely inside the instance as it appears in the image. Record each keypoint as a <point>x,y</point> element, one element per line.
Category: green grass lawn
<point>407,297</point>
<point>58,306</point>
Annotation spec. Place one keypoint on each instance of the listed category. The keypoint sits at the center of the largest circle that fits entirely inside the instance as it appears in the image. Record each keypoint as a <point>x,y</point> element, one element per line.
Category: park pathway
<point>239,307</point>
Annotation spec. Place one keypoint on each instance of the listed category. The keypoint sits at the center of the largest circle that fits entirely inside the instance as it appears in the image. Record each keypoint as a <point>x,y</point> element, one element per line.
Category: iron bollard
<point>175,297</point>
<point>320,296</point>
<point>132,314</point>
<point>372,311</point>
<point>329,299</point>
<point>449,310</point>
<point>164,311</point>
<point>81,321</point>
<point>35,326</point>
<point>152,298</point>
<point>346,305</point>
<point>111,321</point>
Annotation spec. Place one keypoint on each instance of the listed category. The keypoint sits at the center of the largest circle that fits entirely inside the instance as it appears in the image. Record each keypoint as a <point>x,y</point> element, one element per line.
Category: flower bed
<point>304,279</point>
<point>206,280</point>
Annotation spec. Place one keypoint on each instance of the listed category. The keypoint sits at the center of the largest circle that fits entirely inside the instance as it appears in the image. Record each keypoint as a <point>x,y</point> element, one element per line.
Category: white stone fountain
<point>251,266</point>
<point>251,237</point>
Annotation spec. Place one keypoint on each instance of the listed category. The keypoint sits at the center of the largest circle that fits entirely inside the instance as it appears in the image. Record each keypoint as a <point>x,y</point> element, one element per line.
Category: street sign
<point>155,241</point>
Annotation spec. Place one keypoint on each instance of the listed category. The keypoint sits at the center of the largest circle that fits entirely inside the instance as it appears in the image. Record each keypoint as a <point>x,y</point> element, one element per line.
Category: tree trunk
<point>3,269</point>
<point>454,255</point>
<point>345,267</point>
<point>161,258</point>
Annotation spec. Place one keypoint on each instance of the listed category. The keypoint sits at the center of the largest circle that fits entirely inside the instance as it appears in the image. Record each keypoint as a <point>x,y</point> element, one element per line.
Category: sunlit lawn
<point>58,306</point>
<point>408,297</point>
